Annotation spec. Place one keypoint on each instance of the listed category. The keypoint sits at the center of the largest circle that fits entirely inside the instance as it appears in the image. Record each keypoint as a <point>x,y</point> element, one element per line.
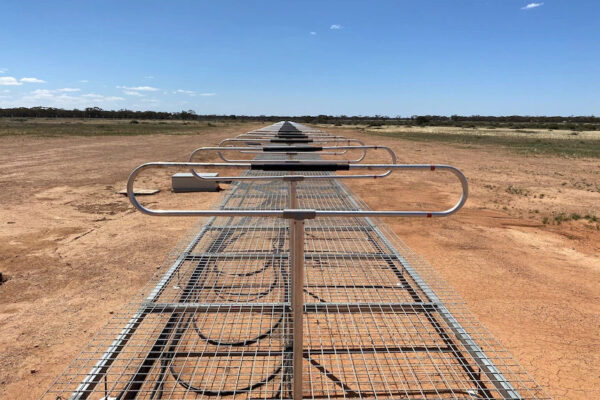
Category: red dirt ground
<point>74,251</point>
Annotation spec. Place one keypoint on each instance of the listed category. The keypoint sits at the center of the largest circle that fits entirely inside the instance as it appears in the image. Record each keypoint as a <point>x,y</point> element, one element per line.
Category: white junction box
<point>186,182</point>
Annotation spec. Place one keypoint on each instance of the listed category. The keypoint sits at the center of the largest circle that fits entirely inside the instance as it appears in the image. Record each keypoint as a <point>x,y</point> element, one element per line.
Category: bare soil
<point>73,251</point>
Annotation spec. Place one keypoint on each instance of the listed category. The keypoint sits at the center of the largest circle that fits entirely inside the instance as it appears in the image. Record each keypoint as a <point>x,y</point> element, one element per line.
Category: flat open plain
<point>524,252</point>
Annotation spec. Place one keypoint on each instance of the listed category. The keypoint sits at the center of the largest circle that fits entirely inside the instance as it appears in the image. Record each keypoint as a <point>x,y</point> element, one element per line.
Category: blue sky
<point>489,57</point>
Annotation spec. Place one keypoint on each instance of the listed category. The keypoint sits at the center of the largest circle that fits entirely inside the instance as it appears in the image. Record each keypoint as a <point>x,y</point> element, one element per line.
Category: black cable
<point>243,343</point>
<point>208,392</point>
<point>224,296</point>
<point>246,342</point>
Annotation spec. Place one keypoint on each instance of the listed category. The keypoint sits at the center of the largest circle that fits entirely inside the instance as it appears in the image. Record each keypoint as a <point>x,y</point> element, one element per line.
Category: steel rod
<point>297,304</point>
<point>273,308</point>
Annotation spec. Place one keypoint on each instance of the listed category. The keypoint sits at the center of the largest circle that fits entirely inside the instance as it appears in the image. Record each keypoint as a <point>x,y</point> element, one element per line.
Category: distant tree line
<point>472,121</point>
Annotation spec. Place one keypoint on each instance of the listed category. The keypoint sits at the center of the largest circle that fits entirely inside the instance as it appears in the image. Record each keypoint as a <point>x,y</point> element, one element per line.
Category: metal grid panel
<point>215,321</point>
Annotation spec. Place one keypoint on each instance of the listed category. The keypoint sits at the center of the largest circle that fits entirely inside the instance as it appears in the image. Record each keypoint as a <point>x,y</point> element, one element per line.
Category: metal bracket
<point>299,214</point>
<point>293,178</point>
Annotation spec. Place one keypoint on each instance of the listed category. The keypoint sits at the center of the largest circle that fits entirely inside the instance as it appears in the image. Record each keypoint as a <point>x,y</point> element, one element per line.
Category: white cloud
<point>336,27</point>
<point>84,81</point>
<point>61,99</point>
<point>190,92</point>
<point>32,80</point>
<point>12,81</point>
<point>46,92</point>
<point>99,97</point>
<point>9,81</point>
<point>139,88</point>
<point>532,5</point>
<point>193,93</point>
<point>3,70</point>
<point>53,92</point>
<point>135,90</point>
<point>132,93</point>
<point>41,93</point>
<point>149,77</point>
<point>313,33</point>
